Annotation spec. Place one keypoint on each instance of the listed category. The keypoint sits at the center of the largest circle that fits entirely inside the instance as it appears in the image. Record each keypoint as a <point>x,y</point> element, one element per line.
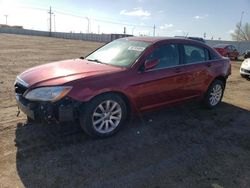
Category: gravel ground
<point>180,146</point>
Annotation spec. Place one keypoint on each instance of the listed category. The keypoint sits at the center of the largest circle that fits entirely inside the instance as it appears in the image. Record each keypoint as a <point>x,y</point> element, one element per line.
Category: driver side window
<point>166,54</point>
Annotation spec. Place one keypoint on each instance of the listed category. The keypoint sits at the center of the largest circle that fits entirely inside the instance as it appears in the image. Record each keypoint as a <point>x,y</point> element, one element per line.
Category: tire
<point>214,94</point>
<point>29,120</point>
<point>243,76</point>
<point>103,116</point>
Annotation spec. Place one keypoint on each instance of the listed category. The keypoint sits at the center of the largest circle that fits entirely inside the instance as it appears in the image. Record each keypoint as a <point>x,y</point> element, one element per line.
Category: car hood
<point>61,72</point>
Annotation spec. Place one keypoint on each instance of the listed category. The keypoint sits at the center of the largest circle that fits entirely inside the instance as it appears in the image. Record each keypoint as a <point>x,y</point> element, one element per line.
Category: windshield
<point>121,52</point>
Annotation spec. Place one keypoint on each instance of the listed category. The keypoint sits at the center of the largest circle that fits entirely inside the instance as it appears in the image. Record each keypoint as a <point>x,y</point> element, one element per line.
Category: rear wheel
<point>103,116</point>
<point>214,94</point>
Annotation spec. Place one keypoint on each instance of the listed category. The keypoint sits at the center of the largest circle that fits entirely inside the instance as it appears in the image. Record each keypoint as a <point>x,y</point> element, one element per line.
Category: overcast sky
<point>171,17</point>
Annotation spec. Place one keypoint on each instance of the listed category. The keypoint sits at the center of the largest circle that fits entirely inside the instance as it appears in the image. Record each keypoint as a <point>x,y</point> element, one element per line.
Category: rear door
<point>196,66</point>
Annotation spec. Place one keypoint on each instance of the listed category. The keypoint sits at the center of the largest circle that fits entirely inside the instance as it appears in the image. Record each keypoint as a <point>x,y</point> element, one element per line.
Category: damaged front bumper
<point>61,111</point>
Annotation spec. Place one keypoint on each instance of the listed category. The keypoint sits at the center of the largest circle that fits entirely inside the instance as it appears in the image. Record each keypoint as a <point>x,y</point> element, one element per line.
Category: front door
<point>161,84</point>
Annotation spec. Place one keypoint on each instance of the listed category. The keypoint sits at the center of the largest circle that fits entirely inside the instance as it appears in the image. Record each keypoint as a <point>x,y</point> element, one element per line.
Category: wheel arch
<point>221,78</point>
<point>122,95</point>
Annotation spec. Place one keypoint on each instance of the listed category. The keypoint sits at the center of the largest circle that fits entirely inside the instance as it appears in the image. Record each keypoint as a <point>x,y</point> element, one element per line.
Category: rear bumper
<point>61,111</point>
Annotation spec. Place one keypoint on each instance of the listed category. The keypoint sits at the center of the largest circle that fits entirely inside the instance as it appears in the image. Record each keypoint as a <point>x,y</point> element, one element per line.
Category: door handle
<point>209,64</point>
<point>177,70</point>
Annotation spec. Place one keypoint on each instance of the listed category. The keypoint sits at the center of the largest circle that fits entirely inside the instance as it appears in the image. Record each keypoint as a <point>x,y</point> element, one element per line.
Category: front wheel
<point>214,94</point>
<point>103,116</point>
<point>242,75</point>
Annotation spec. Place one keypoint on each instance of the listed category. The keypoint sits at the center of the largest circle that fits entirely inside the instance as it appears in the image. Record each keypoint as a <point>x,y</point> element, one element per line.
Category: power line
<point>123,22</point>
<point>118,22</point>
<point>103,20</point>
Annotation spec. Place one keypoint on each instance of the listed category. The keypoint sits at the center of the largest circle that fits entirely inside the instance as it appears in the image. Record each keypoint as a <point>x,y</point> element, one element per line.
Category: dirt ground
<point>181,146</point>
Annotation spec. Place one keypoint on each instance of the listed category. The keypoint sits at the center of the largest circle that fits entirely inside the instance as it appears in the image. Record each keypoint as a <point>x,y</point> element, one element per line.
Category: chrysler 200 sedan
<point>122,78</point>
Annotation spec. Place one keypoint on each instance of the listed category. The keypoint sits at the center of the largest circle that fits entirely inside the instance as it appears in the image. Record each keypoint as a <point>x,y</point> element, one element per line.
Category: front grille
<point>245,70</point>
<point>20,89</point>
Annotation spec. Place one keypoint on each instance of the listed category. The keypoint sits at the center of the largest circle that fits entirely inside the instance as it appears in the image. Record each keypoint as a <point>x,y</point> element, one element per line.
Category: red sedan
<point>126,76</point>
<point>227,50</point>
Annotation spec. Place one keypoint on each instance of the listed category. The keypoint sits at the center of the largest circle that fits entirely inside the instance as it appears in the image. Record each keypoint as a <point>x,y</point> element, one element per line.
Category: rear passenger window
<point>193,54</point>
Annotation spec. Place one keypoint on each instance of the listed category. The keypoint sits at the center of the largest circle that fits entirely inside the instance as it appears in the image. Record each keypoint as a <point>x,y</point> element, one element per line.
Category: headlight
<point>246,62</point>
<point>47,93</point>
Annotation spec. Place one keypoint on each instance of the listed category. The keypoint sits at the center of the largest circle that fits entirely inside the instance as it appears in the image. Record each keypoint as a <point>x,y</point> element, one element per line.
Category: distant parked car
<point>245,68</point>
<point>247,54</point>
<point>126,76</point>
<point>227,50</point>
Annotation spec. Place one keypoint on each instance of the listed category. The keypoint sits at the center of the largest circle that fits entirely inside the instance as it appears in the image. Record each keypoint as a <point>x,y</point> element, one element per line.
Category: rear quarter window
<point>213,55</point>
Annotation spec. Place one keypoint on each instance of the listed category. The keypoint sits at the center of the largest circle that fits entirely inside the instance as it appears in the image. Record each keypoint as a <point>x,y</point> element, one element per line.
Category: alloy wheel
<point>107,116</point>
<point>215,95</point>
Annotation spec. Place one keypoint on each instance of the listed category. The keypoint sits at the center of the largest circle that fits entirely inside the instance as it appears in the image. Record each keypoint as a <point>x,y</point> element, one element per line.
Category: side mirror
<point>82,57</point>
<point>149,64</point>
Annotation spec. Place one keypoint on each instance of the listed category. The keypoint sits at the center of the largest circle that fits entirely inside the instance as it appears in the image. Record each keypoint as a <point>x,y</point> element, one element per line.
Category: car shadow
<point>182,146</point>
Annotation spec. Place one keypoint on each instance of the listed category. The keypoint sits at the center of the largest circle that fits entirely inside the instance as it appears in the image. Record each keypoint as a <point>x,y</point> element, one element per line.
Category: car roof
<point>158,39</point>
<point>148,39</point>
<point>221,45</point>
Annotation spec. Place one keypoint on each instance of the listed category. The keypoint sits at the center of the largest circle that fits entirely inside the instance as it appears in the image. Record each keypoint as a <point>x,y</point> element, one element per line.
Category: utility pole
<point>204,35</point>
<point>54,23</point>
<point>133,30</point>
<point>154,30</point>
<point>98,29</point>
<point>50,21</point>
<point>240,25</point>
<point>239,30</point>
<point>124,30</point>
<point>88,24</point>
<point>6,19</point>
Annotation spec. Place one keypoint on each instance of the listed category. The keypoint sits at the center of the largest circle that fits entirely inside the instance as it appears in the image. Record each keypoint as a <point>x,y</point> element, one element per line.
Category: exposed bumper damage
<point>61,111</point>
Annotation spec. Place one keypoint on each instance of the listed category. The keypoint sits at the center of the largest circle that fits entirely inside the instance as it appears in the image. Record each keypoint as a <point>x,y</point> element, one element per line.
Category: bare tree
<point>241,33</point>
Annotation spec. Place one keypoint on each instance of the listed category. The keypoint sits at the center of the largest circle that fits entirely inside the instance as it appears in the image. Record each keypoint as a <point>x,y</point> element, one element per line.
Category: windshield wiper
<point>96,60</point>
